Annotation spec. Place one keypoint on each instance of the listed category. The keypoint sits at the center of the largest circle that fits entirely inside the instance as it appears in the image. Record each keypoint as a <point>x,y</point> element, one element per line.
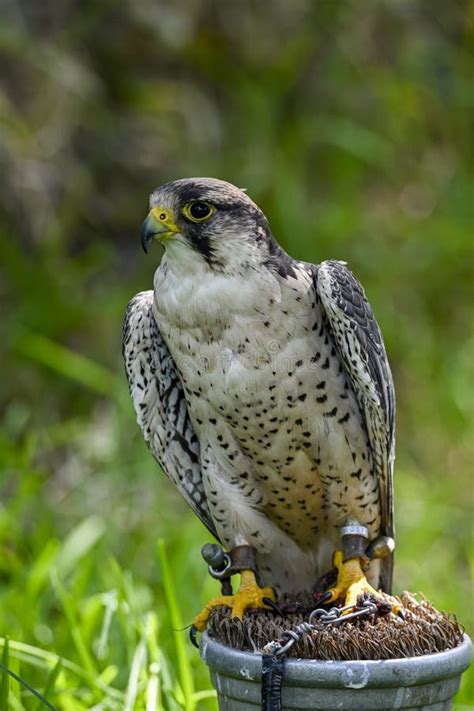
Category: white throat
<point>188,293</point>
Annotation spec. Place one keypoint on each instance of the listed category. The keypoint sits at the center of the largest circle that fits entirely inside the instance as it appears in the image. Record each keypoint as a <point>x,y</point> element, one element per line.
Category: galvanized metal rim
<point>409,671</point>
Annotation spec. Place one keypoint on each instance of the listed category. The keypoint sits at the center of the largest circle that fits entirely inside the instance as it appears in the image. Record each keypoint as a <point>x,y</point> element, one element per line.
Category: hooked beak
<point>160,224</point>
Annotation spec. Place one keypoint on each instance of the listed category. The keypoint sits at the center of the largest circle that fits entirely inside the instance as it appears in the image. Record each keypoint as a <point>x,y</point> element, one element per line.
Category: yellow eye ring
<point>198,211</point>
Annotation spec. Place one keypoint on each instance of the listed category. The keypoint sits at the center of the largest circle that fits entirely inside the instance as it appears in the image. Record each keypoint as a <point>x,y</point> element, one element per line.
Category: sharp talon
<point>193,632</point>
<point>325,598</point>
<point>268,601</point>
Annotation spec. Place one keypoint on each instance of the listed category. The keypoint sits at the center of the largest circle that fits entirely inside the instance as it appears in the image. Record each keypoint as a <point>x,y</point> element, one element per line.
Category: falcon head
<point>212,221</point>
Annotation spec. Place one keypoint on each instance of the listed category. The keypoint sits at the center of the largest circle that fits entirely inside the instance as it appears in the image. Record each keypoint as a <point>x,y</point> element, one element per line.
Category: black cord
<point>272,676</point>
<point>30,688</point>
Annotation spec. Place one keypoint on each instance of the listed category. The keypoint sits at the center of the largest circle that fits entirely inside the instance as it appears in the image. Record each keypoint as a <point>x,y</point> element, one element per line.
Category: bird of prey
<point>262,387</point>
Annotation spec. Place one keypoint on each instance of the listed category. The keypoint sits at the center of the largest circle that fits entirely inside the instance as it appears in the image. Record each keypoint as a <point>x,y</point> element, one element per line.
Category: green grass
<point>349,121</point>
<point>126,656</point>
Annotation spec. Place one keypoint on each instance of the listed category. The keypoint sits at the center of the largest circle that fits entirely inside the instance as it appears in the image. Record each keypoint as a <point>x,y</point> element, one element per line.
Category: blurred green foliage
<point>350,123</point>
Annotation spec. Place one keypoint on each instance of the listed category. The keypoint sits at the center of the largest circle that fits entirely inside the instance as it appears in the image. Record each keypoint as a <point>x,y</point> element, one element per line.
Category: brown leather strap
<point>243,558</point>
<point>353,546</point>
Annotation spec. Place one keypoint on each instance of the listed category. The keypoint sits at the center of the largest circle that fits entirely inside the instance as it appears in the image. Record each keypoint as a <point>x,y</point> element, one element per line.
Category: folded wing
<point>362,351</point>
<point>160,404</point>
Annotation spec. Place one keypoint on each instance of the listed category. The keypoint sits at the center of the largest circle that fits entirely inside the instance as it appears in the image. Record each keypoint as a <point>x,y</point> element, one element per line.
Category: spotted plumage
<point>261,385</point>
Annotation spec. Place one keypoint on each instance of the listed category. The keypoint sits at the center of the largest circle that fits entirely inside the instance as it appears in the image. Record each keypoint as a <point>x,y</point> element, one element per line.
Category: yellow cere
<point>163,222</point>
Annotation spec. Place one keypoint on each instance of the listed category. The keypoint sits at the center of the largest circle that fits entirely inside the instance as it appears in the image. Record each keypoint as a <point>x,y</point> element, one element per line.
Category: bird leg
<point>352,586</point>
<point>249,595</point>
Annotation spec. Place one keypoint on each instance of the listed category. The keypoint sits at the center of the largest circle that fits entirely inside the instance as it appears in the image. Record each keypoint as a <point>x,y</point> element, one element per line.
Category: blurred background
<point>350,123</point>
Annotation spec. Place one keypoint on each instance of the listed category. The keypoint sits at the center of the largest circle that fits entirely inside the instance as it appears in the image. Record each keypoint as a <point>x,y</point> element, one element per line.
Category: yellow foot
<point>249,595</point>
<point>352,583</point>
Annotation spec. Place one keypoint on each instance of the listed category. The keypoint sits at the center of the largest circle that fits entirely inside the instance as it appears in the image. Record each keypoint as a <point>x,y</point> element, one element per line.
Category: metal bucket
<point>422,683</point>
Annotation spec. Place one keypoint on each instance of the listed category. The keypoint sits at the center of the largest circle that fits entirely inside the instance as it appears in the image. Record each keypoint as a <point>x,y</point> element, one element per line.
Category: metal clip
<point>223,572</point>
<point>286,647</point>
<point>219,562</point>
<point>318,617</point>
<point>367,608</point>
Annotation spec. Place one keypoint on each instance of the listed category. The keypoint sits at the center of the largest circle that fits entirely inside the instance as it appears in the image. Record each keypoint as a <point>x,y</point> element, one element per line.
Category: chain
<point>317,620</point>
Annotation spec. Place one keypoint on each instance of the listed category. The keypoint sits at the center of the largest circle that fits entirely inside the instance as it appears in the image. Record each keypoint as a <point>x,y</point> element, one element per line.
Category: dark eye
<point>198,211</point>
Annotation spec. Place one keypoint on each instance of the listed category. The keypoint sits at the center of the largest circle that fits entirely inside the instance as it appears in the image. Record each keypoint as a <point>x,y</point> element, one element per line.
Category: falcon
<point>262,387</point>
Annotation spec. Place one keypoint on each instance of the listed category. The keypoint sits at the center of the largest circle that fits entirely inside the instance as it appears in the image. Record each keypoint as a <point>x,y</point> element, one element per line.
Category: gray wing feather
<point>362,350</point>
<point>160,404</point>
